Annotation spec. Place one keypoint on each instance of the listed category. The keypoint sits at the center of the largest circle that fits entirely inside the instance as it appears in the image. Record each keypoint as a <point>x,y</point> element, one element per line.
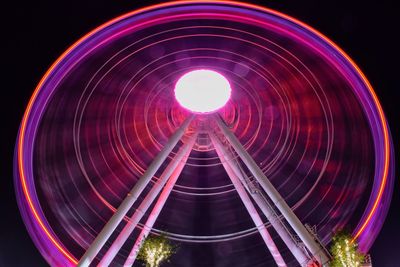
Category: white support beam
<point>132,196</point>
<point>233,170</point>
<point>181,156</point>
<point>155,212</point>
<point>273,249</point>
<point>317,251</point>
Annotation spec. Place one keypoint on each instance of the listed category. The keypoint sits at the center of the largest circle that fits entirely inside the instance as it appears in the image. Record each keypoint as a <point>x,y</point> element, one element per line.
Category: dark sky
<point>35,33</point>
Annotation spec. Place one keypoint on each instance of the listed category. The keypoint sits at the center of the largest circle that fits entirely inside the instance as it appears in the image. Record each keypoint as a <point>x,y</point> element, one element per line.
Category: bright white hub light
<point>202,91</point>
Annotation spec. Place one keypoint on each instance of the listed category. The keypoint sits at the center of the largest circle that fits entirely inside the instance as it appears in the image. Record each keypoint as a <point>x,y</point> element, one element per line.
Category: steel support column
<point>274,195</point>
<point>273,249</point>
<point>230,165</point>
<point>154,213</point>
<point>180,157</point>
<point>115,220</point>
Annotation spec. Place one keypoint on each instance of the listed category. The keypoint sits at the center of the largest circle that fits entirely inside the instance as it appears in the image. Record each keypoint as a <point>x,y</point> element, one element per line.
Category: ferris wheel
<point>241,133</point>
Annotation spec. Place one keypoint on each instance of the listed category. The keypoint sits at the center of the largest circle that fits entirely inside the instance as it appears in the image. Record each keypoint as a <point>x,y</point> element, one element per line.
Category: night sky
<point>35,33</point>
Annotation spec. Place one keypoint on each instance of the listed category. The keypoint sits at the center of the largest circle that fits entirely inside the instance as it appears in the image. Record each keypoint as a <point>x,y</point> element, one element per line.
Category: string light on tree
<point>156,250</point>
<point>345,252</point>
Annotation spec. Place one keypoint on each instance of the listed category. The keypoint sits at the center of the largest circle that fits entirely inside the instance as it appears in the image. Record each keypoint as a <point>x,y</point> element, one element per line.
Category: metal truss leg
<point>115,220</point>
<point>233,170</point>
<point>317,251</point>
<point>273,249</point>
<point>180,157</point>
<point>155,212</point>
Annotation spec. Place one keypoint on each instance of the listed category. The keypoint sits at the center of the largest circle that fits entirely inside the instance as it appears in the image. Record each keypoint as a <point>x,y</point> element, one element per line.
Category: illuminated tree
<point>156,250</point>
<point>345,253</point>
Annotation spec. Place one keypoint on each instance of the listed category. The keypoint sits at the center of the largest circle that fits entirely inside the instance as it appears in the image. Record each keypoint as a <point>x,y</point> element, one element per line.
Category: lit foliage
<point>344,252</point>
<point>155,250</point>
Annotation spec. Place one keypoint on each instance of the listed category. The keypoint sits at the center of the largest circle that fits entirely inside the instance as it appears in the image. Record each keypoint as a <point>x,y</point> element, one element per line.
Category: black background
<point>35,33</point>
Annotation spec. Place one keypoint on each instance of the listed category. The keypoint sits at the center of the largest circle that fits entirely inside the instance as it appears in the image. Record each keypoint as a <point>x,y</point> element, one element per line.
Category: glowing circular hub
<point>202,91</point>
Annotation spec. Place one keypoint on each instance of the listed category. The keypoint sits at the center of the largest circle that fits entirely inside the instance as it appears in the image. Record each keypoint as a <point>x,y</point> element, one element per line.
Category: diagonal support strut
<point>115,220</point>
<point>169,171</point>
<point>233,170</point>
<point>247,203</point>
<point>317,251</point>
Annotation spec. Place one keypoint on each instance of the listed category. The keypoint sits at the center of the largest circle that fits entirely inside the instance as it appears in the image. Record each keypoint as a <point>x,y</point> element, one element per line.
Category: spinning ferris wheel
<point>243,134</point>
